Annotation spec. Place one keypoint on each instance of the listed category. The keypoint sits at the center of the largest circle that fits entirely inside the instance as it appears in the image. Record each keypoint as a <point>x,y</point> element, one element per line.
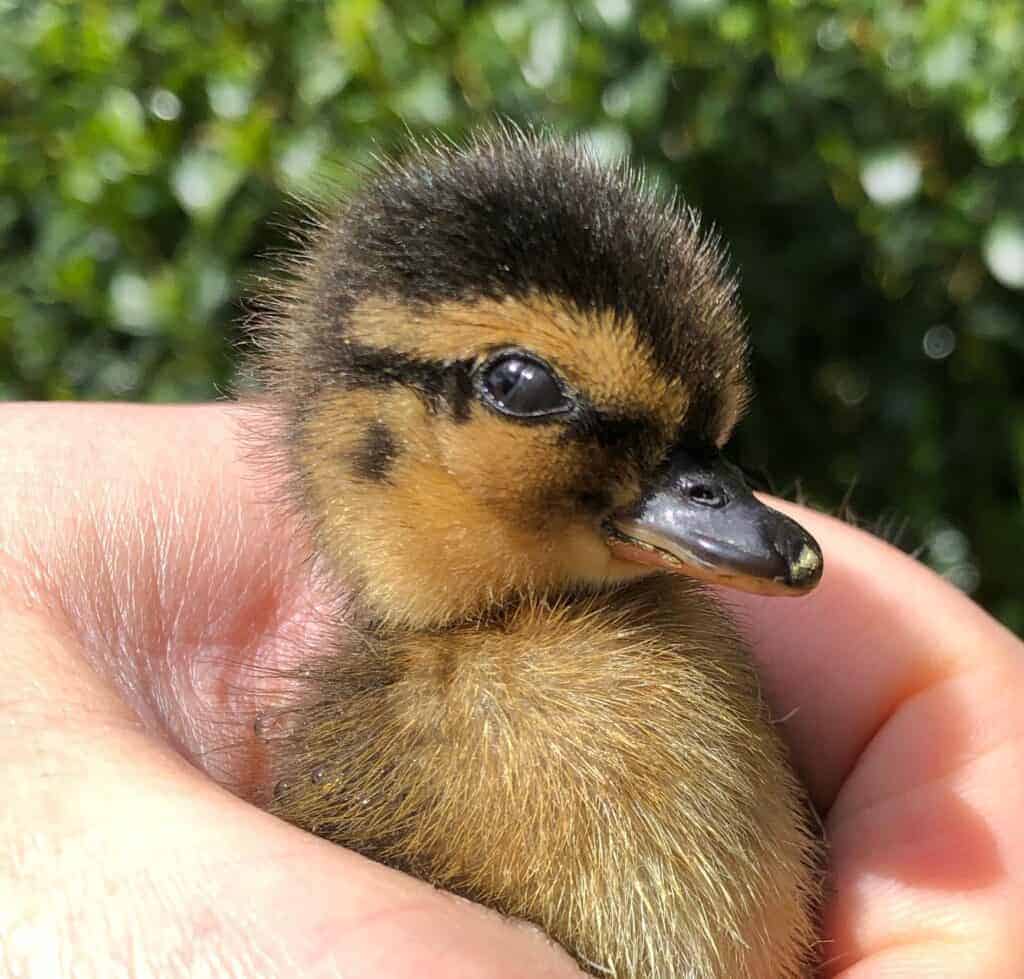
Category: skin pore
<point>147,590</point>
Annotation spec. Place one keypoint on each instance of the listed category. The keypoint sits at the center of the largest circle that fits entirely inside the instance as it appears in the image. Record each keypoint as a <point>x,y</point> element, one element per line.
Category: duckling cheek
<point>519,471</point>
<point>354,437</point>
<point>362,456</point>
<point>411,507</point>
<point>421,511</point>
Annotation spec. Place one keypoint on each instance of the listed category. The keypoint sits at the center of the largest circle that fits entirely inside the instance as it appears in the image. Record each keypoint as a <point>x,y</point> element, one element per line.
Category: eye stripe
<point>443,384</point>
<point>610,430</point>
<point>448,385</point>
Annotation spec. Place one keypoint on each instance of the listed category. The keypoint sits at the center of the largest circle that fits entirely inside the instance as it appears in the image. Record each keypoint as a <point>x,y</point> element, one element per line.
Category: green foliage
<point>863,158</point>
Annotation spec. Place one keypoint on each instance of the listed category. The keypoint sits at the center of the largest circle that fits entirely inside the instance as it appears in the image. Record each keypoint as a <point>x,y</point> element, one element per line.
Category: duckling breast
<point>603,766</point>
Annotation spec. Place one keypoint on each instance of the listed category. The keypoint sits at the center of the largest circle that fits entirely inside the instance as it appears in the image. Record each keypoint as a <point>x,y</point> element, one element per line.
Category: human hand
<point>145,587</point>
<point>901,702</point>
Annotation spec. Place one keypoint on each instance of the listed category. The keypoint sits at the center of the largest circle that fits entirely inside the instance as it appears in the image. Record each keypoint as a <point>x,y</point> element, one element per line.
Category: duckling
<point>504,374</point>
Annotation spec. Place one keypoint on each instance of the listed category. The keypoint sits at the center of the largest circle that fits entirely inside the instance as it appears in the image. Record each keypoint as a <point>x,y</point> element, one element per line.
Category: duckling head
<point>510,369</point>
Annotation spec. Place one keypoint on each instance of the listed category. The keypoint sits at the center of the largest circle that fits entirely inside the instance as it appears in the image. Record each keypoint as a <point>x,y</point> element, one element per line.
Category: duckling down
<point>505,373</point>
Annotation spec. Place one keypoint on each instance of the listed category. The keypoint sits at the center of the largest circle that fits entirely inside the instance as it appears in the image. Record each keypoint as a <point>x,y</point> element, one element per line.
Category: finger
<point>908,726</point>
<point>879,628</point>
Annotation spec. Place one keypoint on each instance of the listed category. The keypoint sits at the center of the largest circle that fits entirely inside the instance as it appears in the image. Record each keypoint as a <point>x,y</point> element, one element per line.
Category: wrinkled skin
<point>145,593</point>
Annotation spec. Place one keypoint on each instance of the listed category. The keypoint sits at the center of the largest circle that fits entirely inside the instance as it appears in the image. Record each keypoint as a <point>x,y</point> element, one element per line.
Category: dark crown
<point>517,215</point>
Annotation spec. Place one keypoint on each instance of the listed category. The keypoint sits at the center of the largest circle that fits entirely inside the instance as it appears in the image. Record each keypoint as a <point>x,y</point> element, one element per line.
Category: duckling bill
<point>700,518</point>
<point>505,374</point>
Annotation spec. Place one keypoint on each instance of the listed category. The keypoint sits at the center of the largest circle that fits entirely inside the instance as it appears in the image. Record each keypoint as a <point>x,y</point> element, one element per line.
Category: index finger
<point>901,702</point>
<point>879,629</point>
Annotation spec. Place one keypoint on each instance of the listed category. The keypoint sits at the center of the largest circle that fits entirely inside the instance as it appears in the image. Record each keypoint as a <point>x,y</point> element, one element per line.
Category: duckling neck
<point>487,609</point>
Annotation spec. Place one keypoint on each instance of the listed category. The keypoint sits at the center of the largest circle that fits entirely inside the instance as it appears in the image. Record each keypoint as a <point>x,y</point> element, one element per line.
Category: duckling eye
<point>516,384</point>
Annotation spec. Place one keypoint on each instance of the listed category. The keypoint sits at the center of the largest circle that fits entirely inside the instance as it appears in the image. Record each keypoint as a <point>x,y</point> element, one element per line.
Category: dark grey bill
<point>700,517</point>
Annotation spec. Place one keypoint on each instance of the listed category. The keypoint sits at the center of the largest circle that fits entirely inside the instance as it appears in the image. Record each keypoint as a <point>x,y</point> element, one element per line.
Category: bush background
<point>863,158</point>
